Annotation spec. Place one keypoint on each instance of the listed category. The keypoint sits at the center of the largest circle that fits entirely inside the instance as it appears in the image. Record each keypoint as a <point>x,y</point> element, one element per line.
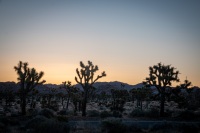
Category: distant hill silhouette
<point>100,86</point>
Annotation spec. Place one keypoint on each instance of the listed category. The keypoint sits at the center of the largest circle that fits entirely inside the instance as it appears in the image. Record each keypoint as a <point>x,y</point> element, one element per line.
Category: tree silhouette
<point>29,79</point>
<point>140,94</point>
<point>161,76</point>
<point>68,87</point>
<point>119,98</point>
<point>184,95</point>
<point>86,80</point>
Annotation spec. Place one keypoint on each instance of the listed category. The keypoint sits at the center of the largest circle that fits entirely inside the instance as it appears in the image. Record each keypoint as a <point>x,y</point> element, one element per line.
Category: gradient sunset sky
<point>122,37</point>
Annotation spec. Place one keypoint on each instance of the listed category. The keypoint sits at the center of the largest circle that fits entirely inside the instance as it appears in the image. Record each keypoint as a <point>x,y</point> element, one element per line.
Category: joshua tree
<point>29,79</point>
<point>86,80</point>
<point>141,94</point>
<point>119,98</point>
<point>161,76</point>
<point>68,87</point>
<point>185,98</point>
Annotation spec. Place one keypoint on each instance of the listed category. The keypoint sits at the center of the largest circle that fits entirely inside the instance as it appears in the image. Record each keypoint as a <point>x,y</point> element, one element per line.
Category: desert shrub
<point>137,113</point>
<point>117,114</point>
<point>48,113</point>
<point>105,114</point>
<point>187,115</point>
<point>152,113</point>
<point>54,107</point>
<point>93,113</point>
<point>4,128</point>
<point>32,112</point>
<point>71,113</point>
<point>62,112</point>
<point>113,125</point>
<point>41,124</point>
<point>8,121</point>
<point>67,112</point>
<point>164,127</point>
<point>35,121</point>
<point>188,127</point>
<point>51,126</point>
<point>134,128</point>
<point>62,118</point>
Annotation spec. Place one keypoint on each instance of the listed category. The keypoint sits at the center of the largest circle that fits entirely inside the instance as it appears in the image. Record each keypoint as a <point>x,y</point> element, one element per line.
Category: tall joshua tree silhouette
<point>68,87</point>
<point>29,78</point>
<point>86,80</point>
<point>161,76</point>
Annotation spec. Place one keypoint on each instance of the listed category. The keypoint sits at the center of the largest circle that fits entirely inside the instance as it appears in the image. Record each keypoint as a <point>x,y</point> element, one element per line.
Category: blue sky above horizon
<point>123,38</point>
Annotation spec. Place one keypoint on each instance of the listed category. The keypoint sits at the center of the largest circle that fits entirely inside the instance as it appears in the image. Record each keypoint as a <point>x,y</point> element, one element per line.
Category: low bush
<point>41,124</point>
<point>9,121</point>
<point>51,126</point>
<point>62,118</point>
<point>32,112</point>
<point>113,125</point>
<point>117,114</point>
<point>152,113</point>
<point>48,113</point>
<point>105,114</point>
<point>164,127</point>
<point>35,121</point>
<point>93,113</point>
<point>187,115</point>
<point>134,128</point>
<point>189,127</point>
<point>137,113</point>
<point>62,112</point>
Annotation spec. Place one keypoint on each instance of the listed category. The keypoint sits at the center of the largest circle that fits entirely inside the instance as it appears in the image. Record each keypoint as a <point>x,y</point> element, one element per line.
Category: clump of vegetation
<point>32,112</point>
<point>135,128</point>
<point>48,113</point>
<point>164,127</point>
<point>9,121</point>
<point>66,112</point>
<point>113,125</point>
<point>188,115</point>
<point>6,123</point>
<point>41,124</point>
<point>117,114</point>
<point>93,113</point>
<point>35,121</point>
<point>189,127</point>
<point>62,112</point>
<point>51,126</point>
<point>152,113</point>
<point>105,114</point>
<point>62,118</point>
<point>137,113</point>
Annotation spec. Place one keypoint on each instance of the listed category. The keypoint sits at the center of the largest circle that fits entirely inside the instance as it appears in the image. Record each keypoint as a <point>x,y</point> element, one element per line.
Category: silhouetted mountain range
<point>100,86</point>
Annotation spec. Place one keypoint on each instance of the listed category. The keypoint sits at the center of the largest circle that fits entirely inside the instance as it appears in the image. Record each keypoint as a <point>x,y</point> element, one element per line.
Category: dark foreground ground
<point>50,123</point>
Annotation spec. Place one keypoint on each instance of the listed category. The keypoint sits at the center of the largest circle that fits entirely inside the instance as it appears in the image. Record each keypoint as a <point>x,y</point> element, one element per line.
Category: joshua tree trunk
<point>162,104</point>
<point>84,104</point>
<point>68,102</point>
<point>23,105</point>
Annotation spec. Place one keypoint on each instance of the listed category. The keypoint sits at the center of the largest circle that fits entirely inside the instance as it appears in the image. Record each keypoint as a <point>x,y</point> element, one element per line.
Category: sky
<point>122,37</point>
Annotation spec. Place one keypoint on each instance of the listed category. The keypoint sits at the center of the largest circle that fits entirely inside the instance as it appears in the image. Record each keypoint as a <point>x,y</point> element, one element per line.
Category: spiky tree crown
<point>162,75</point>
<point>28,76</point>
<point>86,74</point>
